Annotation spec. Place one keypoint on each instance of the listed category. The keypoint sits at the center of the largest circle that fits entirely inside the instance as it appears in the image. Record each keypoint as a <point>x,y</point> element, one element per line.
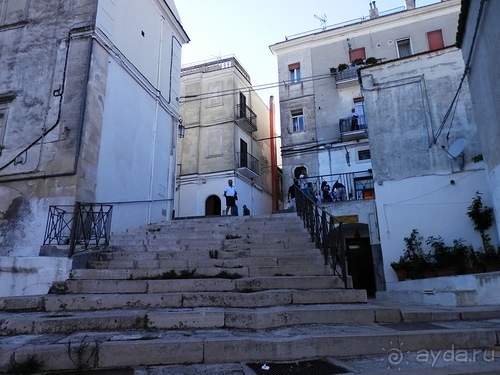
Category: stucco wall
<point>483,79</point>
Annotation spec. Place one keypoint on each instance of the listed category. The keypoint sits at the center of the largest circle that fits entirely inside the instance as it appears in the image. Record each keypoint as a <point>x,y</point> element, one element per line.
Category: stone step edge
<point>129,350</point>
<point>98,302</point>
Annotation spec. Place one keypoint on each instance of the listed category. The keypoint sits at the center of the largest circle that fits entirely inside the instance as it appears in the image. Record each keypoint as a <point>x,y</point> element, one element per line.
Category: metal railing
<point>326,232</point>
<point>81,224</point>
<point>246,160</point>
<point>347,124</point>
<point>244,113</point>
<point>352,186</point>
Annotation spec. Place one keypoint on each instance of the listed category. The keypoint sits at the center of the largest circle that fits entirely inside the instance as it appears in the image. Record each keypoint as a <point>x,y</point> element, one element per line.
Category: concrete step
<point>252,284</point>
<point>121,349</point>
<point>244,271</point>
<point>96,302</point>
<point>193,318</point>
<point>264,261</point>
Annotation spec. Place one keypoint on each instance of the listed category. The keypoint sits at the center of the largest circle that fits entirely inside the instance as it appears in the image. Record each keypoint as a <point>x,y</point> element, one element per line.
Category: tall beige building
<point>228,135</point>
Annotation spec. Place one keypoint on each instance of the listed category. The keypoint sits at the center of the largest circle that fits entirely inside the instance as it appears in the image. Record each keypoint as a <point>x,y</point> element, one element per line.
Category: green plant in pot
<point>413,261</point>
<point>482,217</point>
<point>448,260</point>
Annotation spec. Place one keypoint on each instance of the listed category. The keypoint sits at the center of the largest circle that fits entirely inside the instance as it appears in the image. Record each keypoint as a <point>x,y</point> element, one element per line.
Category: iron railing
<point>326,232</point>
<point>246,118</point>
<point>348,124</point>
<point>81,224</point>
<point>246,160</point>
<point>342,186</point>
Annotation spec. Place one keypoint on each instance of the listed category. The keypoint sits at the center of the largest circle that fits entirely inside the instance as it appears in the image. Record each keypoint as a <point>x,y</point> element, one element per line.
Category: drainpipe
<point>274,161</point>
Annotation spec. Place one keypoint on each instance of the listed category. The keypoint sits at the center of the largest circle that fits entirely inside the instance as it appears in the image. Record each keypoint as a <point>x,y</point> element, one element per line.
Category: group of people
<point>231,196</point>
<point>325,194</point>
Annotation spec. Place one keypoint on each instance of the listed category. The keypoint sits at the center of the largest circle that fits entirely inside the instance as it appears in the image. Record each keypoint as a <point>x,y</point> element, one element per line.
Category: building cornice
<point>367,27</point>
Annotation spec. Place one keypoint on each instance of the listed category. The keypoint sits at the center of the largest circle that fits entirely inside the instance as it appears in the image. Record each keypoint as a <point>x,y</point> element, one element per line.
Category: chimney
<point>410,4</point>
<point>373,10</point>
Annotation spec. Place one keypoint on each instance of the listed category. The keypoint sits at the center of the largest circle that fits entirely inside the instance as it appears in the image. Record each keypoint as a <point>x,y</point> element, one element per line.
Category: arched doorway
<point>213,206</point>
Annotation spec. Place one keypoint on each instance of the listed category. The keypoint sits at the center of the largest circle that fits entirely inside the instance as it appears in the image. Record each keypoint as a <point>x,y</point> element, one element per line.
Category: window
<point>359,108</point>
<point>404,47</point>
<point>364,188</point>
<point>435,39</point>
<point>297,120</point>
<point>357,54</point>
<point>364,155</point>
<point>294,70</point>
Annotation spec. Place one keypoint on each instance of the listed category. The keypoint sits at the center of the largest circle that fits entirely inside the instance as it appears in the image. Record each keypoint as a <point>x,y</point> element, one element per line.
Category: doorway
<point>213,206</point>
<point>360,264</point>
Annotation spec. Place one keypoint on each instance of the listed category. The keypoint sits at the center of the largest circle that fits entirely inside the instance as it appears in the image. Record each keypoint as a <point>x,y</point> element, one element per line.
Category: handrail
<point>80,224</point>
<point>326,232</point>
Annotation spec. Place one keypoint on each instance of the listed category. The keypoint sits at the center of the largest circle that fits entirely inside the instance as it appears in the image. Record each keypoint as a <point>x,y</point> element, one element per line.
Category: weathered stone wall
<point>44,61</point>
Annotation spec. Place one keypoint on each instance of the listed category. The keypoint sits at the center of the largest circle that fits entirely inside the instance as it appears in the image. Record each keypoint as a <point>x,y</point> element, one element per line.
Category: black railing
<point>81,224</point>
<point>348,124</point>
<point>246,160</point>
<point>326,232</point>
<point>246,116</point>
<point>341,187</point>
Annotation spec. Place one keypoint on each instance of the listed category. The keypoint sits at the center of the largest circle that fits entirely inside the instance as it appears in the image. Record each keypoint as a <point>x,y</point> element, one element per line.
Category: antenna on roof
<point>322,20</point>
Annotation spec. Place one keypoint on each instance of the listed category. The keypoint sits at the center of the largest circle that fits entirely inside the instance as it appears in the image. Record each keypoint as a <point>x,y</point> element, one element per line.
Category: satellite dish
<point>456,148</point>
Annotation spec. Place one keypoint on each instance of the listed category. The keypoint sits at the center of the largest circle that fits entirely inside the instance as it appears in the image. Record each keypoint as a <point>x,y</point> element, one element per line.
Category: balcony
<point>352,129</point>
<point>353,186</point>
<point>347,76</point>
<point>246,118</point>
<point>247,165</point>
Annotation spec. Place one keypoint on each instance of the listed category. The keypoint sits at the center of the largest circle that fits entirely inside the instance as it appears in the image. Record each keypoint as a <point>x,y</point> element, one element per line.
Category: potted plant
<point>414,261</point>
<point>371,61</point>
<point>448,260</point>
<point>482,217</point>
<point>333,71</point>
<point>342,67</point>
<point>358,61</point>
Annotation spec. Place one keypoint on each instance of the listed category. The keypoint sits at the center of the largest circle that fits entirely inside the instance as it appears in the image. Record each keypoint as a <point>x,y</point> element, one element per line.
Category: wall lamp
<point>182,128</point>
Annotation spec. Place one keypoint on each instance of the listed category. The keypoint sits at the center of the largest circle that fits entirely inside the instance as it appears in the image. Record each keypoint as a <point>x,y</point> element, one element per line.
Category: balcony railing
<point>353,128</point>
<point>247,164</point>
<point>342,187</point>
<point>348,74</point>
<point>246,118</point>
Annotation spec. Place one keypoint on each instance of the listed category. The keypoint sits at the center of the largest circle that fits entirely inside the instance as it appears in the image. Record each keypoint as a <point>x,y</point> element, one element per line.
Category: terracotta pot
<point>492,266</point>
<point>402,274</point>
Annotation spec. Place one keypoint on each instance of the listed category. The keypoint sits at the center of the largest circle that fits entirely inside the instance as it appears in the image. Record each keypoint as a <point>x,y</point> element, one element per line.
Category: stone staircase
<point>217,291</point>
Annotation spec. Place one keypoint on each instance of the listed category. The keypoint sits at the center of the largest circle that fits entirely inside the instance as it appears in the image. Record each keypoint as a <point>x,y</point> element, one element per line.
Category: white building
<point>422,158</point>
<point>321,74</point>
<point>88,113</point>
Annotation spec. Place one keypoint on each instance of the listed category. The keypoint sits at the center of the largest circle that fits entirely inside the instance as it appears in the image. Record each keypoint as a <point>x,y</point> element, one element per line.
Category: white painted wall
<point>433,206</point>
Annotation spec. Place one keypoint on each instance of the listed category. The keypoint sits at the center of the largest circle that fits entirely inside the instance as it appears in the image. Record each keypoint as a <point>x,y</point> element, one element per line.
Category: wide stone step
<point>245,271</point>
<point>189,318</point>
<point>121,349</point>
<point>197,285</point>
<point>253,252</point>
<point>95,302</point>
<point>207,262</point>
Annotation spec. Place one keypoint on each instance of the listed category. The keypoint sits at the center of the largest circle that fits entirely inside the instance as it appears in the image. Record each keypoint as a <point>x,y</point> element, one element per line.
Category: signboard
<point>346,219</point>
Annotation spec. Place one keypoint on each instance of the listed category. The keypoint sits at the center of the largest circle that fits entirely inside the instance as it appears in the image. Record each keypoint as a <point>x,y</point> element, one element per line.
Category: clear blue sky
<point>246,28</point>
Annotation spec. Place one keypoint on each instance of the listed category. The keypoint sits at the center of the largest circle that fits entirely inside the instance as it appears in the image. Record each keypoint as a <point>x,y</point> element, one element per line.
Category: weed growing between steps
<point>30,365</point>
<point>232,236</point>
<point>189,274</point>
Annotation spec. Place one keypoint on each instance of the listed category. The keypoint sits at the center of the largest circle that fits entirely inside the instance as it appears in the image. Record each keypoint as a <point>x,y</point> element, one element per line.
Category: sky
<point>246,29</point>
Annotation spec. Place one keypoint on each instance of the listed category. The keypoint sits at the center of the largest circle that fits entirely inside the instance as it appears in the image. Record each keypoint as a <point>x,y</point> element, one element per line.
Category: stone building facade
<point>88,113</point>
<point>229,134</point>
<point>321,92</point>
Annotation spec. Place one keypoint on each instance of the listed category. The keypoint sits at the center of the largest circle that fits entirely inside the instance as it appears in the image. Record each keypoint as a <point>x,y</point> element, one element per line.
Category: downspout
<point>274,161</point>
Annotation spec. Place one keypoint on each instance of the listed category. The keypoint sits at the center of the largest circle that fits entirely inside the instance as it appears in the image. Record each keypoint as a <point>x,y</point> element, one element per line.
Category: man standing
<point>231,196</point>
